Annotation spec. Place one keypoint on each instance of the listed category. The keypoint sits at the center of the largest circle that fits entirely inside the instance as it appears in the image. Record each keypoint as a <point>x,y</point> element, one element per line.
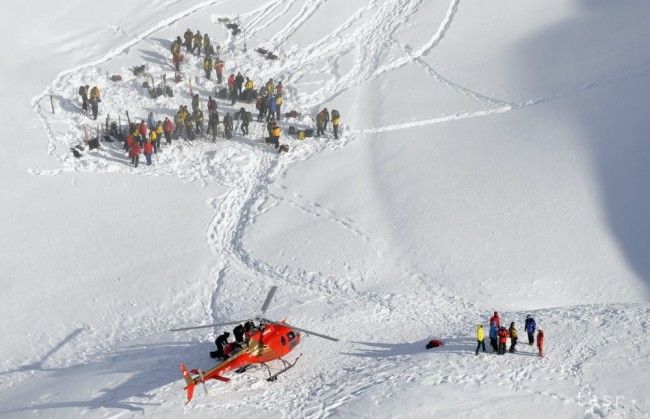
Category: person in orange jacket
<point>218,68</point>
<point>503,339</point>
<point>540,342</point>
<point>148,151</point>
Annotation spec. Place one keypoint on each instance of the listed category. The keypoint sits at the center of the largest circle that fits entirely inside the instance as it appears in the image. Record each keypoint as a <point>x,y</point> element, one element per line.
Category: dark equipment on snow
<point>116,77</point>
<point>434,343</point>
<point>283,148</point>
<point>292,114</point>
<point>292,130</point>
<point>138,70</point>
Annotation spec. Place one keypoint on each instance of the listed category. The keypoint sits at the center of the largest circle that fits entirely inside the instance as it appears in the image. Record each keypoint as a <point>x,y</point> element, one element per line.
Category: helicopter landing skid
<point>287,366</point>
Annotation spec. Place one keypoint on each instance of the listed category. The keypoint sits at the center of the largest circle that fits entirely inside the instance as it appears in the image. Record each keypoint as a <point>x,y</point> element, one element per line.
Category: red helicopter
<point>268,341</point>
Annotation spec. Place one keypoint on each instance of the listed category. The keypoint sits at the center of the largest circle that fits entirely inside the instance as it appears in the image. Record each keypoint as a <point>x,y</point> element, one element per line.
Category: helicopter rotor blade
<point>269,297</point>
<point>205,326</point>
<point>309,332</point>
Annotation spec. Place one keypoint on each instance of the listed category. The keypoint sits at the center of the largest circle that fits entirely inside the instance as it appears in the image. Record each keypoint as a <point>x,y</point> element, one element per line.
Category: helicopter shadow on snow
<point>460,345</point>
<point>147,366</point>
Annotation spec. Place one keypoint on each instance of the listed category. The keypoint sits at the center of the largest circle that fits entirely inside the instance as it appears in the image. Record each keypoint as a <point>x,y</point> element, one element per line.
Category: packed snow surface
<point>493,156</point>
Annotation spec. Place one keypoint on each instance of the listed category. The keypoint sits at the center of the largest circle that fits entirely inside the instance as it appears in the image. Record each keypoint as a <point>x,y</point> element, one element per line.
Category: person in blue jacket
<point>493,337</point>
<point>270,107</point>
<point>530,328</point>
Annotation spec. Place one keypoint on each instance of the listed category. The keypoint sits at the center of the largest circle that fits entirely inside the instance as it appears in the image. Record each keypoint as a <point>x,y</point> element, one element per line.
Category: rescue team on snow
<point>499,335</point>
<point>146,137</point>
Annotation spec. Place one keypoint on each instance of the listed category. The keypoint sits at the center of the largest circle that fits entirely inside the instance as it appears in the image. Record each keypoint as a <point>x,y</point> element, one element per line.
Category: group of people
<point>499,335</point>
<point>90,97</point>
<point>146,137</point>
<point>242,333</point>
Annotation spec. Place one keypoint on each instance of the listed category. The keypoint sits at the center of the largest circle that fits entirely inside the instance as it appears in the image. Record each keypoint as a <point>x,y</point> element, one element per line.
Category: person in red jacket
<point>503,339</point>
<point>218,68</point>
<point>142,129</point>
<point>495,319</point>
<point>168,128</point>
<point>540,342</point>
<point>148,151</point>
<point>134,153</point>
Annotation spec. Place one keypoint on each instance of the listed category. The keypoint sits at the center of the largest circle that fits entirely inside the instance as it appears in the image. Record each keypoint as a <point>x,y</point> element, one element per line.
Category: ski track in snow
<point>247,168</point>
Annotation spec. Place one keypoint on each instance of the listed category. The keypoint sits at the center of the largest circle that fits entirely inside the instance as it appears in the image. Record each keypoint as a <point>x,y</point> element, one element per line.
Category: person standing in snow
<point>213,124</point>
<point>83,92</point>
<point>271,105</point>
<point>239,84</point>
<point>148,151</point>
<point>168,129</point>
<point>94,100</point>
<point>513,337</point>
<point>494,330</point>
<point>196,102</point>
<point>134,153</point>
<point>218,69</point>
<point>227,125</point>
<point>142,131</point>
<point>245,119</point>
<point>151,122</point>
<point>207,45</point>
<point>495,319</point>
<point>198,43</point>
<point>336,121</point>
<point>503,339</point>
<point>207,67</point>
<point>188,36</point>
<point>480,338</point>
<point>322,119</point>
<point>540,342</point>
<point>197,116</point>
<point>530,328</point>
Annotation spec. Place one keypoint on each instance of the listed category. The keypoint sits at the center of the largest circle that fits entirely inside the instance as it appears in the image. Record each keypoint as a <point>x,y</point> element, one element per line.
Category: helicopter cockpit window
<point>291,336</point>
<point>283,341</point>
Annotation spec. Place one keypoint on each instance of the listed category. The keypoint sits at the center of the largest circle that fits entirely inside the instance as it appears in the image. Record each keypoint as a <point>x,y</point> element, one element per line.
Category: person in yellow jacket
<point>160,132</point>
<point>155,140</point>
<point>207,67</point>
<point>94,100</point>
<point>336,121</point>
<point>249,87</point>
<point>276,131</point>
<point>278,105</point>
<point>513,337</point>
<point>480,338</point>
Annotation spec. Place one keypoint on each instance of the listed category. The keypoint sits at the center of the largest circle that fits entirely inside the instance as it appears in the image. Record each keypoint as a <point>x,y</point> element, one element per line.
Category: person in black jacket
<point>221,342</point>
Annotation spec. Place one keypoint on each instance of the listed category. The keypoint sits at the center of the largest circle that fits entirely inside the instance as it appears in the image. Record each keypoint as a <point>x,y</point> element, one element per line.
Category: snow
<point>493,157</point>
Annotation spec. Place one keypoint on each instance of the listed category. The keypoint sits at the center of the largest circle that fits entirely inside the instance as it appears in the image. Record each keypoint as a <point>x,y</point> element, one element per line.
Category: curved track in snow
<point>247,169</point>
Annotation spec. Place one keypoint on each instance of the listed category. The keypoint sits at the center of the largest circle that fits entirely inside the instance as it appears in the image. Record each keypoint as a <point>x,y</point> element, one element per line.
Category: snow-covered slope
<point>493,157</point>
